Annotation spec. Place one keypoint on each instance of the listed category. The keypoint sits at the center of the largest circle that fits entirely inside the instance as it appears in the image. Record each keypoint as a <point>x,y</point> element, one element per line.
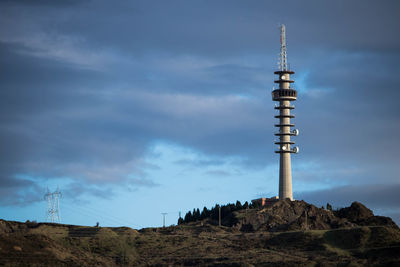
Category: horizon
<point>146,107</point>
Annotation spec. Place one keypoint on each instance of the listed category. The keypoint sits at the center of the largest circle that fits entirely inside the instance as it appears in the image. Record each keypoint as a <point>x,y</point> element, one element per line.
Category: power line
<point>104,212</point>
<point>101,215</point>
<point>96,217</point>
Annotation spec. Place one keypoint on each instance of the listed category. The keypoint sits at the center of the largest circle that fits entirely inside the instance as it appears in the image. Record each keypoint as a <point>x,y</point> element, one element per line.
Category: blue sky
<point>144,107</point>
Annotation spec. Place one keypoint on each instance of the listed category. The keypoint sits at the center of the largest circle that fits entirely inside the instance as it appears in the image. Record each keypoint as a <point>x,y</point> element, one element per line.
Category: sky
<point>136,108</point>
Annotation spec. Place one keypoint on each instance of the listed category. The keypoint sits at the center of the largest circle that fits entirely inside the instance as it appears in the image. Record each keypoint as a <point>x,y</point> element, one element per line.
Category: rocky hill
<point>288,233</point>
<point>286,215</point>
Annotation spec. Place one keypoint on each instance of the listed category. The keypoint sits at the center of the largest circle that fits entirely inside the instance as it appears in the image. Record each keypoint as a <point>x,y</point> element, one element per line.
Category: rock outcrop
<point>356,213</point>
<point>288,215</point>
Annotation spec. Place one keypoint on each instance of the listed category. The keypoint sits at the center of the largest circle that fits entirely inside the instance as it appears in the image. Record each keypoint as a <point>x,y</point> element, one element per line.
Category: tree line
<point>213,213</point>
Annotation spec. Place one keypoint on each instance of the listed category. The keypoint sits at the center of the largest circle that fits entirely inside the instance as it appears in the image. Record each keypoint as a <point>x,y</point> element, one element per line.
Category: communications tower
<point>284,95</point>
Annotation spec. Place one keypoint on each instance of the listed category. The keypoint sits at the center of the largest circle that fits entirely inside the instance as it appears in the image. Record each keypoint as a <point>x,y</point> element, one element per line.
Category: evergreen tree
<point>238,205</point>
<point>225,210</point>
<point>205,213</point>
<point>194,215</point>
<point>214,212</point>
<point>328,206</point>
<point>188,217</point>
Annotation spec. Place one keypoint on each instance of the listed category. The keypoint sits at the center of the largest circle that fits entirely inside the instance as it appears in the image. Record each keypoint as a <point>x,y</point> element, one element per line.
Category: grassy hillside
<point>280,235</point>
<point>193,245</point>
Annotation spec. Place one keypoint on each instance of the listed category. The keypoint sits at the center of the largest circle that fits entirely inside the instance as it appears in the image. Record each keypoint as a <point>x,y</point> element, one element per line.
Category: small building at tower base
<point>265,202</point>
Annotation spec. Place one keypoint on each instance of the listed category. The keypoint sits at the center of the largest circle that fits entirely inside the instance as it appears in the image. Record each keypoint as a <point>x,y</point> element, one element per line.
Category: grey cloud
<point>373,195</point>
<point>225,28</point>
<point>41,2</point>
<point>83,94</point>
<point>201,163</point>
<point>75,190</point>
<point>17,191</point>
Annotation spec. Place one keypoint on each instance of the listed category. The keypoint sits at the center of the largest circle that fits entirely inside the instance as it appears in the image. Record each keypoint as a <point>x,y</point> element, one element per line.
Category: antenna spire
<point>283,56</point>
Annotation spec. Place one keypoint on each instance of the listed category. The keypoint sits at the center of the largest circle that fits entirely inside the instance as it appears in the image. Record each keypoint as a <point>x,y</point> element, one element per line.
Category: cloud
<point>218,173</point>
<point>373,195</point>
<point>17,191</point>
<point>200,162</point>
<point>88,87</point>
<point>41,2</point>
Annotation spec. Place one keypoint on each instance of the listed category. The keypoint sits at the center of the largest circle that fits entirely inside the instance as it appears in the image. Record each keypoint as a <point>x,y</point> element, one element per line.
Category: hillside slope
<point>273,237</point>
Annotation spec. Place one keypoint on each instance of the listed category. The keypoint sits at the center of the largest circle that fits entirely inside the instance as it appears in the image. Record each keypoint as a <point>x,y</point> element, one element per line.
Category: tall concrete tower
<point>284,94</point>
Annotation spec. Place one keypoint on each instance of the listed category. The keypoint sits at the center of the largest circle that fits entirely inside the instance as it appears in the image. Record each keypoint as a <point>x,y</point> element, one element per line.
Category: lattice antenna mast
<point>53,206</point>
<point>283,55</point>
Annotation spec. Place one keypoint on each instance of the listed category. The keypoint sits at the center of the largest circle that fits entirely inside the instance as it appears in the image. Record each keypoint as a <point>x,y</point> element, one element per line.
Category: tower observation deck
<point>284,95</point>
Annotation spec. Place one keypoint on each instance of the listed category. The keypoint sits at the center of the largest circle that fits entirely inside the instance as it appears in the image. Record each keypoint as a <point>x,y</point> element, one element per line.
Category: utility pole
<point>305,212</point>
<point>219,216</point>
<point>164,214</point>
